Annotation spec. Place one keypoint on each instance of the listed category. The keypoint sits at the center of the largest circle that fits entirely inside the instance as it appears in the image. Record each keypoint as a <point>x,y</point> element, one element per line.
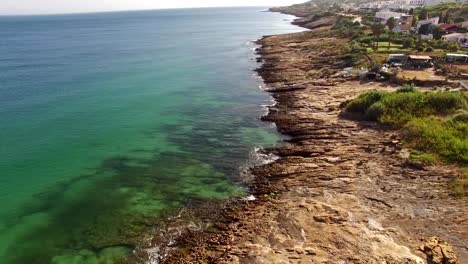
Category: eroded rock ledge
<point>342,191</point>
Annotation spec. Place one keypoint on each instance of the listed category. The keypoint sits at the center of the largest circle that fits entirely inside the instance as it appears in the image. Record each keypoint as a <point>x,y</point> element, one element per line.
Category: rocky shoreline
<point>342,190</point>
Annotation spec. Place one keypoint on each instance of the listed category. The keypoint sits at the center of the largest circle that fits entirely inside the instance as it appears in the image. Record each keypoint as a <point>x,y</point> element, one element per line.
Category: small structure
<point>384,16</point>
<point>450,28</point>
<point>419,61</point>
<point>404,24</point>
<point>456,58</point>
<point>464,24</point>
<point>436,2</point>
<point>417,3</point>
<point>428,36</point>
<point>459,38</point>
<point>432,21</point>
<point>396,60</point>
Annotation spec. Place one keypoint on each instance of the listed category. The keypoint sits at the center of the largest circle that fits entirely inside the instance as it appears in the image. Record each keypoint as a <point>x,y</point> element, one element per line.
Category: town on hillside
<point>424,41</point>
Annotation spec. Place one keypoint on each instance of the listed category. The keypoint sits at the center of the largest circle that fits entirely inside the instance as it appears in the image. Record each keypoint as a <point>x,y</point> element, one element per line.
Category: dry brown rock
<point>342,190</point>
<point>438,251</point>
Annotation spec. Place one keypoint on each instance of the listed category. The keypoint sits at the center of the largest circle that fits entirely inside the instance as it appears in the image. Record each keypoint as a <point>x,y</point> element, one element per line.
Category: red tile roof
<point>448,26</point>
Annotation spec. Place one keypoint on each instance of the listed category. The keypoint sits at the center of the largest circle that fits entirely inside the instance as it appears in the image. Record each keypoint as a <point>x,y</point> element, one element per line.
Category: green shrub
<point>407,88</point>
<point>401,107</point>
<point>451,46</point>
<point>364,101</point>
<point>443,103</point>
<point>375,111</point>
<point>447,139</point>
<point>460,116</point>
<point>423,158</point>
<point>459,19</point>
<point>354,52</point>
<point>408,43</point>
<point>365,40</point>
<point>435,123</point>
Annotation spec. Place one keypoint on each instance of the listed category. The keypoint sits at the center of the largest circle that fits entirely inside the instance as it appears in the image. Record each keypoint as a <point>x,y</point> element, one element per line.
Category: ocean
<point>109,120</point>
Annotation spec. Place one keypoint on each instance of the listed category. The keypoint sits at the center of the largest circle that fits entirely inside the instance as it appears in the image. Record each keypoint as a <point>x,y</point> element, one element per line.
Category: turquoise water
<point>108,120</point>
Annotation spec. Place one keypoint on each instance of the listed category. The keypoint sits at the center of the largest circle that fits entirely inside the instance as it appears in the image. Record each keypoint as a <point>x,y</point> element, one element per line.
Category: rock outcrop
<point>341,191</point>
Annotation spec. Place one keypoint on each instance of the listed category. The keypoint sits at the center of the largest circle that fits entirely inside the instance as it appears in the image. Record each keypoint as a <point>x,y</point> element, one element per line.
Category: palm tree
<point>391,24</point>
<point>377,30</point>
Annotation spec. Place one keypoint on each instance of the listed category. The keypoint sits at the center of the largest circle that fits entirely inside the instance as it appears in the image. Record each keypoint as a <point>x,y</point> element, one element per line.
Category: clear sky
<point>21,7</point>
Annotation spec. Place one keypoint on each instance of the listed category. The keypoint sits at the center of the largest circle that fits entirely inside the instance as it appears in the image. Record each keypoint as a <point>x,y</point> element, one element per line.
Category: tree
<point>423,15</point>
<point>415,21</point>
<point>377,30</point>
<point>411,11</point>
<point>409,43</point>
<point>446,18</point>
<point>459,19</point>
<point>424,29</point>
<point>437,32</point>
<point>420,44</point>
<point>391,24</point>
<point>452,46</point>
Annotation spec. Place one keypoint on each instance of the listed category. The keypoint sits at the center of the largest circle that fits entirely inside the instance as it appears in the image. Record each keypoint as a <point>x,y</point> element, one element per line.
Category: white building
<point>432,21</point>
<point>404,4</point>
<point>383,16</point>
<point>372,5</point>
<point>436,2</point>
<point>459,38</point>
<point>404,24</point>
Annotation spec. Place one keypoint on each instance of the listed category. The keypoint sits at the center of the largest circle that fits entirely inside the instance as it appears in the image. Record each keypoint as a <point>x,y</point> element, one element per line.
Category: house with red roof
<point>450,28</point>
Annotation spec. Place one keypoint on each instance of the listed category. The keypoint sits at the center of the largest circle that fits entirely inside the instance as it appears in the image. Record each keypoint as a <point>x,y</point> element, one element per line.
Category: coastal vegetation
<point>433,124</point>
<point>303,69</point>
<point>385,41</point>
<point>311,7</point>
<point>447,12</point>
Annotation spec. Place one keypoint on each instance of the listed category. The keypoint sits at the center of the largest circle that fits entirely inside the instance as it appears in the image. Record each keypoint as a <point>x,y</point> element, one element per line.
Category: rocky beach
<point>341,191</point>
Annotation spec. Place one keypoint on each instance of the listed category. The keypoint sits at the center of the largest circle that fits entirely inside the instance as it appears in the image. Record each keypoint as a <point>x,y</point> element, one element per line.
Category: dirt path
<point>342,191</point>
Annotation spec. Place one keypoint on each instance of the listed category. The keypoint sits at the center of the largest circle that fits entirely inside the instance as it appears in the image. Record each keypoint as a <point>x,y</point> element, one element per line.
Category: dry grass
<point>419,75</point>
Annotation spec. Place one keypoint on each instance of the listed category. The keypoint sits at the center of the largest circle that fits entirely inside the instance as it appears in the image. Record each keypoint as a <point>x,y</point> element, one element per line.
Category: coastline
<point>340,191</point>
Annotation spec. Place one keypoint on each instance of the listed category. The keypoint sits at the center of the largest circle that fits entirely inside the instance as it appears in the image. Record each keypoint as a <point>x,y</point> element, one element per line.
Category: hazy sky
<point>14,7</point>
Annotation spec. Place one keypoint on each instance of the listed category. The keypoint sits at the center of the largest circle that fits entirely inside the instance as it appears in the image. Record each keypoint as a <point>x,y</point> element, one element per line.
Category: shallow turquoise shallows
<point>108,120</point>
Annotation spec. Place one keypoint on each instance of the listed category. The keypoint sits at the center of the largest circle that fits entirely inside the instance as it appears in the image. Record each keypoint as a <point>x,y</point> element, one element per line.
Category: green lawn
<point>383,47</point>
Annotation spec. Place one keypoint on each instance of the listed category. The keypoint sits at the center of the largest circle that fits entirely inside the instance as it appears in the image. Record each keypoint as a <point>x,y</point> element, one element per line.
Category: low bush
<point>353,54</point>
<point>447,139</point>
<point>347,28</point>
<point>435,123</point>
<point>460,116</point>
<point>396,109</point>
<point>407,88</point>
<point>408,43</point>
<point>364,101</point>
<point>423,158</point>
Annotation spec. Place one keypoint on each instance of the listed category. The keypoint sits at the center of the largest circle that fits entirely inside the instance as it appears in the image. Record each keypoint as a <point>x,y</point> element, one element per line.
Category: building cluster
<point>404,23</point>
<point>397,4</point>
<point>403,4</point>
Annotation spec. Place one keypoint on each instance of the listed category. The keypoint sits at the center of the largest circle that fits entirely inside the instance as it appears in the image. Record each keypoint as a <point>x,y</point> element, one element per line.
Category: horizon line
<point>121,11</point>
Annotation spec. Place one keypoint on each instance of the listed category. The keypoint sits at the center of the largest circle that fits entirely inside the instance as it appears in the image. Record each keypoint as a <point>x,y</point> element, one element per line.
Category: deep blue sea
<point>109,119</point>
